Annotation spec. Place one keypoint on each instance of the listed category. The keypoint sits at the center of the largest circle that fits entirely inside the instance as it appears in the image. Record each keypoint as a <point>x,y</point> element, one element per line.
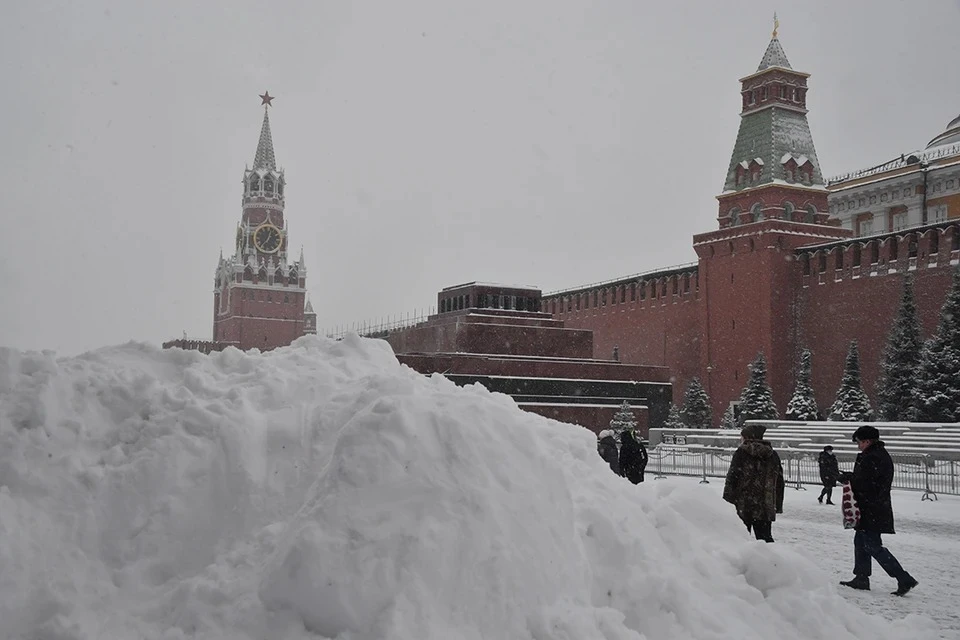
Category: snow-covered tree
<point>937,395</point>
<point>623,420</point>
<point>897,386</point>
<point>756,400</point>
<point>803,404</point>
<point>673,418</point>
<point>729,420</point>
<point>696,412</point>
<point>852,403</point>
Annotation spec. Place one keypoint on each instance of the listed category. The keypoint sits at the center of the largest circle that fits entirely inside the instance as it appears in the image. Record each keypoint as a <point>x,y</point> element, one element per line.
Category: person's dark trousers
<point>828,492</point>
<point>762,529</point>
<point>866,545</point>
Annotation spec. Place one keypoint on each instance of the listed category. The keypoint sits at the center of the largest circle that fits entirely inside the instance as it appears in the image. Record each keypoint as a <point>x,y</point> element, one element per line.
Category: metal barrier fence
<point>912,472</point>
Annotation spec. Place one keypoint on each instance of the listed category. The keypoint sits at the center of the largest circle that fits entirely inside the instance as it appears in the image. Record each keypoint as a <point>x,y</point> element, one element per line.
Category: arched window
<point>788,210</point>
<point>262,274</point>
<point>757,211</point>
<point>280,187</point>
<point>254,183</point>
<point>267,184</point>
<point>248,274</point>
<point>294,278</point>
<point>811,214</point>
<point>734,216</point>
<point>278,276</point>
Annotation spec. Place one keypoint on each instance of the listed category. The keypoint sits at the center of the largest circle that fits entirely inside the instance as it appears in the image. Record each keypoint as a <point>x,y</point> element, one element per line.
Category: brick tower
<point>773,201</point>
<point>260,293</point>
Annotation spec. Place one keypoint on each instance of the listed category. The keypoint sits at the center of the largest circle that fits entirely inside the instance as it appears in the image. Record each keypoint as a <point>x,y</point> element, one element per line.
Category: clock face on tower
<point>267,238</point>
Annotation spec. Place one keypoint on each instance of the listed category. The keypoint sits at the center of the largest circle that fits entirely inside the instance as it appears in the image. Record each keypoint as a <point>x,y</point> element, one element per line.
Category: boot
<point>904,585</point>
<point>820,499</point>
<point>828,502</point>
<point>859,582</point>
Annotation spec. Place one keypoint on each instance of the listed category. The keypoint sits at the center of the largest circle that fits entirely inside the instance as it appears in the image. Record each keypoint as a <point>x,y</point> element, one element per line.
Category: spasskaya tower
<point>260,293</point>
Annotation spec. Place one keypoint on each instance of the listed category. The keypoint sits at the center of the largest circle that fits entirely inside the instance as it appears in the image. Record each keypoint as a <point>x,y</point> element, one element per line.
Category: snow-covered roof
<point>915,158</point>
<point>774,56</point>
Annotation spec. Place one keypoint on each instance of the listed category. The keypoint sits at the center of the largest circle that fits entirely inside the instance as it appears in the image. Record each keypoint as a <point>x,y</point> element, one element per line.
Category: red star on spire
<point>266,98</point>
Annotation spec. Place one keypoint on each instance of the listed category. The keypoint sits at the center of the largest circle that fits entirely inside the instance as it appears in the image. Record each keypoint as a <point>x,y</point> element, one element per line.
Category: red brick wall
<point>661,330</point>
<point>590,417</point>
<point>860,302</point>
<point>265,319</point>
<point>467,335</point>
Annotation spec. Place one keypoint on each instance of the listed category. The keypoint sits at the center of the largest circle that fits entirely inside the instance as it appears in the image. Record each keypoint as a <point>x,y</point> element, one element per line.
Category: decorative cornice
<point>263,205</point>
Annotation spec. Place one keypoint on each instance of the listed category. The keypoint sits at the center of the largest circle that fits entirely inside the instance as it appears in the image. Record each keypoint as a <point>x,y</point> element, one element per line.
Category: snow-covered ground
<point>927,544</point>
<point>324,491</point>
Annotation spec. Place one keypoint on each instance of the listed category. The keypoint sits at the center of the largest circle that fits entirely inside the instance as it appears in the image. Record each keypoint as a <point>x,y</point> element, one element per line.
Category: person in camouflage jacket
<point>755,483</point>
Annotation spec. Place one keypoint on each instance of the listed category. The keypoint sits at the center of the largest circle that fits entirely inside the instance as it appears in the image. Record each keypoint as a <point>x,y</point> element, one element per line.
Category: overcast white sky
<point>426,142</point>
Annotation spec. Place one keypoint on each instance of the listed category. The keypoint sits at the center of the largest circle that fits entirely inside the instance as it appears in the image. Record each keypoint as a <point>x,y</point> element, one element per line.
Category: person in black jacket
<point>829,473</point>
<point>871,480</point>
<point>607,448</point>
<point>633,457</point>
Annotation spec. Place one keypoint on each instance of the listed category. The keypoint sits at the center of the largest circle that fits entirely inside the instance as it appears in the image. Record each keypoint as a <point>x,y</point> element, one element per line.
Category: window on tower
<point>268,184</point>
<point>254,184</point>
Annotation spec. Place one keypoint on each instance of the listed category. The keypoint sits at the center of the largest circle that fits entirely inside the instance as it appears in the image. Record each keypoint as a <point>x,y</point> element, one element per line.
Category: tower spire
<point>265,159</point>
<point>776,25</point>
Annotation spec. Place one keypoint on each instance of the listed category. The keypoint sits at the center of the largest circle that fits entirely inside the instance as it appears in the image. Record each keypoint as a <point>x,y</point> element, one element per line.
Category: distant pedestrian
<point>607,448</point>
<point>871,480</point>
<point>633,457</point>
<point>829,473</point>
<point>755,483</point>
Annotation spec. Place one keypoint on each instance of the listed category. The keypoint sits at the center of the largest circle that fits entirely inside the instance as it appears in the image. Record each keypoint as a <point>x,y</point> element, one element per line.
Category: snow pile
<point>323,490</point>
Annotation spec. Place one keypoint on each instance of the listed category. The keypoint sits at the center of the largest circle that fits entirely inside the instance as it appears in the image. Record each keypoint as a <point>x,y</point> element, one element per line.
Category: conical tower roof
<point>265,159</point>
<point>774,56</point>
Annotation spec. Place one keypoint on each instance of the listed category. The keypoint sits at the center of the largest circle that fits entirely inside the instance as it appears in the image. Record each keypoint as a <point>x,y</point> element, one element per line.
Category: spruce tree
<point>756,401</point>
<point>623,420</point>
<point>728,421</point>
<point>803,404</point>
<point>696,412</point>
<point>852,403</point>
<point>673,418</point>
<point>937,395</point>
<point>897,386</point>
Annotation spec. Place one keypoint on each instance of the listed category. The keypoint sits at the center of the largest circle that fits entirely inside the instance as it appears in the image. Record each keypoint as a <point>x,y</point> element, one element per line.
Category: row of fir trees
<point>919,380</point>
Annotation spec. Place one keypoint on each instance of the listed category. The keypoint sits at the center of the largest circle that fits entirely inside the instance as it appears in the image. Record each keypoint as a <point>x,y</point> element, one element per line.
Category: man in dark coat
<point>829,473</point>
<point>607,447</point>
<point>633,457</point>
<point>871,480</point>
<point>755,482</point>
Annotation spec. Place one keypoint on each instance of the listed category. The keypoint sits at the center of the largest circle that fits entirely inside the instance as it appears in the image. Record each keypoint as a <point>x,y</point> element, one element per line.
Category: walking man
<point>829,473</point>
<point>755,482</point>
<point>871,480</point>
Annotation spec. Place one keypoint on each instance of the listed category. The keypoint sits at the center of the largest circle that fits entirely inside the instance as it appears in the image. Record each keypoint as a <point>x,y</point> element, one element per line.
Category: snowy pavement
<point>927,544</point>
